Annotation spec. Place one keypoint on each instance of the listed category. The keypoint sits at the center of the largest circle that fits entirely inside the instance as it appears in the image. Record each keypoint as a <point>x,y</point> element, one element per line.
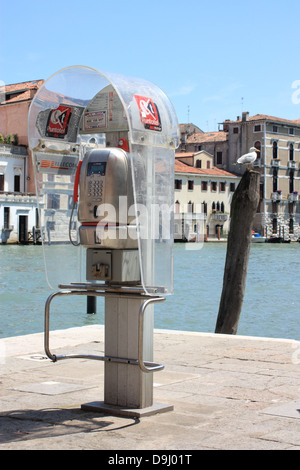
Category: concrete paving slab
<point>228,392</point>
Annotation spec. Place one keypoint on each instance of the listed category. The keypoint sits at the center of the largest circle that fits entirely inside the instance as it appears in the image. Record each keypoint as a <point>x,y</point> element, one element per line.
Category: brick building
<point>278,213</point>
<point>18,208</point>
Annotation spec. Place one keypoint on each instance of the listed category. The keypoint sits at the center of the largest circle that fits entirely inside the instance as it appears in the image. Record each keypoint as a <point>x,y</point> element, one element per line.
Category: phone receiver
<point>76,183</point>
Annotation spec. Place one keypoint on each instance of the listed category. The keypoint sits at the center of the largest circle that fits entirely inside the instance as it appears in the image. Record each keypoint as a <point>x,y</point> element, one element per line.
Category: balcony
<point>292,164</point>
<point>276,196</point>
<point>16,197</point>
<point>293,197</point>
<point>219,216</point>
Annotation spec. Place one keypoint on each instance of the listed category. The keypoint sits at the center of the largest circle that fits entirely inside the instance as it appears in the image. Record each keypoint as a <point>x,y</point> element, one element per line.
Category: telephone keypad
<point>95,188</point>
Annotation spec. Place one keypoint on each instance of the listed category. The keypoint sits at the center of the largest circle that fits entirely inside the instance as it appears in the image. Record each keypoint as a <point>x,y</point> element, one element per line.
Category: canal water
<point>270,308</point>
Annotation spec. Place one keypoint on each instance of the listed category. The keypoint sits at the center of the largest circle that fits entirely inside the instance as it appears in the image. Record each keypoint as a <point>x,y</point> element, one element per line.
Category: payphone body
<point>106,201</point>
<point>107,230</point>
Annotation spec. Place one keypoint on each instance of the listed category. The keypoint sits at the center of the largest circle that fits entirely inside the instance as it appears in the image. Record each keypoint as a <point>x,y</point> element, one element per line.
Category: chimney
<point>245,116</point>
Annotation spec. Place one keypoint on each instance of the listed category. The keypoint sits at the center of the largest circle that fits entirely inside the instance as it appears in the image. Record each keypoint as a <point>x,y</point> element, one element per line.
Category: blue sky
<point>214,59</point>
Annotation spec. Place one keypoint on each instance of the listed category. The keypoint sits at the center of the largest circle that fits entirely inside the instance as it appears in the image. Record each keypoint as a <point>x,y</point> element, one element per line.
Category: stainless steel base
<point>101,407</point>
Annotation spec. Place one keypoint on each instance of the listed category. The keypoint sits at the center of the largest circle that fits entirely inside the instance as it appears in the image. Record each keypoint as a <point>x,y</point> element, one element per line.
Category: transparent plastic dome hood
<point>80,112</point>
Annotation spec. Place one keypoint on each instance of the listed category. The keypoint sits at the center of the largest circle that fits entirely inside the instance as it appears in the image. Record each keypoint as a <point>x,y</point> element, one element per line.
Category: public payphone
<point>107,230</point>
<point>103,153</point>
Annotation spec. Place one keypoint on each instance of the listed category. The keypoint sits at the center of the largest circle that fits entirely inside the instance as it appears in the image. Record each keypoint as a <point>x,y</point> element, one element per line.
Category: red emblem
<point>58,120</point>
<point>149,113</point>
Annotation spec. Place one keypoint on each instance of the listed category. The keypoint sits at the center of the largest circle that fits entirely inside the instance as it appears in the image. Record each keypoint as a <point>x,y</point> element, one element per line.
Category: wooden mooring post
<point>243,209</point>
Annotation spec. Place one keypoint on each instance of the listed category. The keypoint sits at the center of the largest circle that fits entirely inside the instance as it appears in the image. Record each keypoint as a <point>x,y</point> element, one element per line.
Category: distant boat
<point>278,240</point>
<point>257,238</point>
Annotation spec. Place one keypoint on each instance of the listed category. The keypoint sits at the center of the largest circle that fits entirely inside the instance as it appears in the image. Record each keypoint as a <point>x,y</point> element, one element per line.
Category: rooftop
<point>265,117</point>
<point>21,91</point>
<point>206,137</point>
<point>181,167</point>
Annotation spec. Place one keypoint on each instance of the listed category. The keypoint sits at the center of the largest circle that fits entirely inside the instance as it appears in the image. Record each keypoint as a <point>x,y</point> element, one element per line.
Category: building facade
<point>18,208</point>
<point>278,213</point>
<point>204,193</point>
<point>278,161</point>
<point>19,220</point>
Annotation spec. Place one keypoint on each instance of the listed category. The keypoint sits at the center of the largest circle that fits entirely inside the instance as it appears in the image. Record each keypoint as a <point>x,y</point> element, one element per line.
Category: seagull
<point>248,158</point>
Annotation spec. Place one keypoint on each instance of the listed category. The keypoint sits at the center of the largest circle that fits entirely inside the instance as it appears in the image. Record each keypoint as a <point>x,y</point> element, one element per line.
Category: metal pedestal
<point>128,387</point>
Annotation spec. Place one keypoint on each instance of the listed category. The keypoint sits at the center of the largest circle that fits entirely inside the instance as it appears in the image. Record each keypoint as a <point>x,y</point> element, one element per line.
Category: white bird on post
<point>249,158</point>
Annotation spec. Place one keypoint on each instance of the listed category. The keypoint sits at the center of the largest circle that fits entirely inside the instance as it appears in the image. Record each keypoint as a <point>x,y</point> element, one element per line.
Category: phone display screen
<point>96,168</point>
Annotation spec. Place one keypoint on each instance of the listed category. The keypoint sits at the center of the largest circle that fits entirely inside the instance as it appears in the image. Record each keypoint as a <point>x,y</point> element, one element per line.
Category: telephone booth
<point>103,148</point>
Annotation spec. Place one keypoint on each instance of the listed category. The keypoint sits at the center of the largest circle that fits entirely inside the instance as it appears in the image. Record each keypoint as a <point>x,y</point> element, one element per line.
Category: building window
<point>177,207</point>
<point>203,185</point>
<point>291,152</point>
<point>291,181</point>
<point>274,225</point>
<point>275,207</point>
<point>219,158</point>
<point>1,182</point>
<point>190,207</point>
<point>198,163</point>
<point>222,187</point>
<point>257,128</point>
<point>291,225</point>
<point>178,184</point>
<point>6,217</point>
<point>213,186</point>
<point>232,187</point>
<point>261,190</point>
<point>17,179</point>
<point>275,180</point>
<point>204,207</point>
<point>235,130</point>
<point>190,185</point>
<point>53,201</point>
<point>257,145</point>
<point>275,150</point>
<point>291,207</point>
<point>275,128</point>
<point>291,131</point>
<point>208,165</point>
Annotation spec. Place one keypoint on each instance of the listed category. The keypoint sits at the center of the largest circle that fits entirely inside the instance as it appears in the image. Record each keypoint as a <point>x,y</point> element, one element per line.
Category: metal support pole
<point>128,390</point>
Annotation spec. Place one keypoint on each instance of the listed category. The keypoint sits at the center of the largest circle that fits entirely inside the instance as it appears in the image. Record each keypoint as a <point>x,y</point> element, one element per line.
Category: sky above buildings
<point>214,59</point>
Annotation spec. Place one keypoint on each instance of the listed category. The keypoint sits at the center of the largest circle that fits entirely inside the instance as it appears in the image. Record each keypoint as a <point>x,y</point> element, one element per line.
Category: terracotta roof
<point>219,136</point>
<point>21,91</point>
<point>181,167</point>
<point>186,154</point>
<point>33,84</point>
<point>265,117</point>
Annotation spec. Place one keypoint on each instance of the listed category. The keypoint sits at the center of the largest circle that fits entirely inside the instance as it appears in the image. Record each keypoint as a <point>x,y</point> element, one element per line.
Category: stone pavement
<point>228,392</point>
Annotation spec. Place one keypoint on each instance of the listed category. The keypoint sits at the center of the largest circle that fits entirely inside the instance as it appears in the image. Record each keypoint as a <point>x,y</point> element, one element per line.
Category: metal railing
<point>93,290</point>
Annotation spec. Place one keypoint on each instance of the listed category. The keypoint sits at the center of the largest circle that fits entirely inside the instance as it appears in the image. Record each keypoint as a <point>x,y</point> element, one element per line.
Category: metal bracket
<point>93,290</point>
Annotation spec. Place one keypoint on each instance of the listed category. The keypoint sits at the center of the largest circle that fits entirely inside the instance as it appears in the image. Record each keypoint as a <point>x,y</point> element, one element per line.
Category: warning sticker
<point>95,120</point>
<point>149,113</point>
<point>58,120</point>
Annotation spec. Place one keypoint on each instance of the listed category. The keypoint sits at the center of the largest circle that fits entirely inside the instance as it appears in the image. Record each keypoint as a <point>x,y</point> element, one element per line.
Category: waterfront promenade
<point>228,392</point>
